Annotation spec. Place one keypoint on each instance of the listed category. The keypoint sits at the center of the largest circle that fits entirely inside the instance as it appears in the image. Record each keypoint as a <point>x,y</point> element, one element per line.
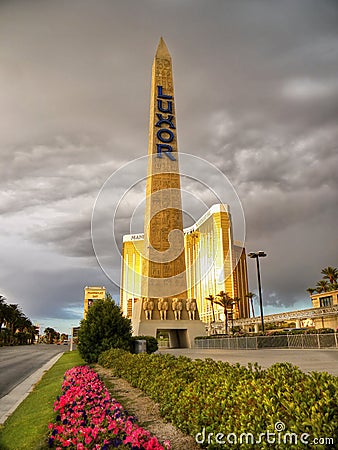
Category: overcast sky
<point>256,88</point>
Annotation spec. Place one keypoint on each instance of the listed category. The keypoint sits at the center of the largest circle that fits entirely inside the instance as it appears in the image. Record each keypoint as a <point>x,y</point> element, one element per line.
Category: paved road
<point>18,363</point>
<point>308,360</point>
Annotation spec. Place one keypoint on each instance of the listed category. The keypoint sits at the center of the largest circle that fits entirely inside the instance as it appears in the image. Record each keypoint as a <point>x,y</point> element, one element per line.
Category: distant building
<point>92,293</point>
<point>328,302</point>
<point>325,299</point>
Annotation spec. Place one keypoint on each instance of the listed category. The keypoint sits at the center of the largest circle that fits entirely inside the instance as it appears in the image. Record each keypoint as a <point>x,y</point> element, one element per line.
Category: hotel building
<point>214,263</point>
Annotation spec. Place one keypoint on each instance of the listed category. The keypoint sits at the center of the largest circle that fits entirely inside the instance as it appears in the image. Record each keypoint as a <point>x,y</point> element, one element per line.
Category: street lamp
<point>257,255</point>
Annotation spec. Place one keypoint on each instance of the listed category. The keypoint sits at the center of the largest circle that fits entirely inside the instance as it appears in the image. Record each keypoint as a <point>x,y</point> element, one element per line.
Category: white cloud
<point>309,89</point>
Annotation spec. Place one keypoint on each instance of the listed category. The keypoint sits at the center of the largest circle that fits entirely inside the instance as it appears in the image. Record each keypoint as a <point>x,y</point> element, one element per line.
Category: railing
<point>329,340</point>
<point>163,343</point>
<point>309,313</point>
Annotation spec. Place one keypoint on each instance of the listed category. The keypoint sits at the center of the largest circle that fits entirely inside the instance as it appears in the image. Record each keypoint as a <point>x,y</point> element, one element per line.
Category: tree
<point>211,299</point>
<point>51,335</point>
<point>330,273</point>
<point>322,286</point>
<point>226,302</point>
<point>251,296</point>
<point>235,304</point>
<point>151,343</point>
<point>310,290</point>
<point>234,309</point>
<point>103,328</point>
<point>3,310</point>
<point>64,337</point>
<point>18,329</point>
<point>15,318</point>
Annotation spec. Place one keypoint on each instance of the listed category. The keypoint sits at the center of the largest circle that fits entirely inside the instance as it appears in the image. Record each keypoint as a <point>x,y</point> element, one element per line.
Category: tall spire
<point>162,50</point>
<point>164,262</point>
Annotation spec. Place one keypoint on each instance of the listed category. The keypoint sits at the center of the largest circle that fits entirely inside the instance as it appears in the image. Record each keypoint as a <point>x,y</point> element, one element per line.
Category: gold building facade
<point>163,267</point>
<point>214,263</point>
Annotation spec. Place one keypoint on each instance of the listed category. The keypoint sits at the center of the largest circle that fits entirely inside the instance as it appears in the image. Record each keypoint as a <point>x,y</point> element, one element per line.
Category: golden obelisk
<point>163,266</point>
<point>164,306</point>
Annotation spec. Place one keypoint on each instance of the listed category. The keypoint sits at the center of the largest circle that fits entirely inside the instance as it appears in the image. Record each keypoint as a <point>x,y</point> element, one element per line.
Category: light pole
<point>257,255</point>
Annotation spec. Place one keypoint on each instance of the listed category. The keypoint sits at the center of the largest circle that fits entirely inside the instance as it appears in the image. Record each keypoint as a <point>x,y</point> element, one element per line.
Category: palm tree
<point>330,273</point>
<point>14,317</point>
<point>211,299</point>
<point>234,310</point>
<point>31,331</point>
<point>322,286</point>
<point>235,304</point>
<point>251,296</point>
<point>226,302</point>
<point>310,290</point>
<point>51,335</point>
<point>3,307</point>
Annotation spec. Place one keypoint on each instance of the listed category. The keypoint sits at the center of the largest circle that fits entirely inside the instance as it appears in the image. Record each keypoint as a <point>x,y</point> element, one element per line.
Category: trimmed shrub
<point>152,344</point>
<point>103,328</point>
<point>220,398</point>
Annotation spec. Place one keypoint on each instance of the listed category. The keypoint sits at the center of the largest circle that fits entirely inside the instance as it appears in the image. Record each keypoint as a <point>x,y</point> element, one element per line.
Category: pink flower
<point>88,439</point>
<point>87,415</point>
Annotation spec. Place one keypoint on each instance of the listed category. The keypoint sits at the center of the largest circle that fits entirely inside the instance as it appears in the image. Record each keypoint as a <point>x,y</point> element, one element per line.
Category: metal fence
<point>163,343</point>
<point>329,340</point>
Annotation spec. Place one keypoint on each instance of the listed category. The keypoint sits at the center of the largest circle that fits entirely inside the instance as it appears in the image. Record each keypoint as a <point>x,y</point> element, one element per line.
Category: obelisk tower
<point>163,266</point>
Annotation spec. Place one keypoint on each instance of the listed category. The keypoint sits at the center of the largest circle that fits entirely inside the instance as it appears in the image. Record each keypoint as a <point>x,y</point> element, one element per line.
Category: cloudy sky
<point>256,87</point>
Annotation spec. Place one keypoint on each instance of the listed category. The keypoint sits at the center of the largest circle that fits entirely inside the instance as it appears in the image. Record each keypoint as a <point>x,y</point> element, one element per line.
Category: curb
<point>12,400</point>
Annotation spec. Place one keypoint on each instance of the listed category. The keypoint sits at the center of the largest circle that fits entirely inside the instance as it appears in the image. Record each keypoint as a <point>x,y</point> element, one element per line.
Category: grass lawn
<point>27,427</point>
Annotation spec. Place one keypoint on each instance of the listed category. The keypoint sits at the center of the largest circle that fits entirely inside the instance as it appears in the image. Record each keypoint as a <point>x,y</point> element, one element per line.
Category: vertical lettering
<point>161,95</point>
<point>167,152</point>
<point>168,121</point>
<point>165,131</point>
<point>161,108</point>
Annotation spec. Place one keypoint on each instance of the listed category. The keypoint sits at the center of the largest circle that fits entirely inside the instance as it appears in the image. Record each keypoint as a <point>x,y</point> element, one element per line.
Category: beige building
<point>214,263</point>
<point>325,299</point>
<point>328,301</point>
<point>92,293</point>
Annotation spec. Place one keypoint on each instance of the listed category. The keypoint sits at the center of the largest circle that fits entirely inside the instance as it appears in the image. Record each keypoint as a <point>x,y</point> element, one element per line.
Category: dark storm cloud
<point>256,94</point>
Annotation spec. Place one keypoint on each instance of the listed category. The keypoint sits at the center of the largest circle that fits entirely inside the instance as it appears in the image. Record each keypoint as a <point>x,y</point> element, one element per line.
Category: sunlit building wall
<point>214,263</point>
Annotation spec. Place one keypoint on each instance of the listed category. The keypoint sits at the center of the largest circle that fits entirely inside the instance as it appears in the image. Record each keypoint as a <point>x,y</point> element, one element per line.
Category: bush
<point>103,328</point>
<point>152,344</point>
<point>218,397</point>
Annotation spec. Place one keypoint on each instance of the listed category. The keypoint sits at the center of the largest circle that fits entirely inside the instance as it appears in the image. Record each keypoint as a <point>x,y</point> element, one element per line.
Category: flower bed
<point>89,419</point>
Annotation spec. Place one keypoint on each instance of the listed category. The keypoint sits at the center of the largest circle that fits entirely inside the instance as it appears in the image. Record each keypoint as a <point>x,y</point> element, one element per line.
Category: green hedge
<point>152,344</point>
<point>221,398</point>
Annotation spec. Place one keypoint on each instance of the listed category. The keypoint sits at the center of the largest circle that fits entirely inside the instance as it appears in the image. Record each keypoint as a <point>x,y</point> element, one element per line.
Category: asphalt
<point>308,360</point>
<point>10,401</point>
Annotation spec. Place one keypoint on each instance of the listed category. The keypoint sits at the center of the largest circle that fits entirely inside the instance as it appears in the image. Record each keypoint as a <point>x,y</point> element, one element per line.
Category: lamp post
<point>257,255</point>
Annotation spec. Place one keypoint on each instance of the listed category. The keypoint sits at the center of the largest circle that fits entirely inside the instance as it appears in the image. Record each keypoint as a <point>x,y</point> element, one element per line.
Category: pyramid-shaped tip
<point>162,49</point>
